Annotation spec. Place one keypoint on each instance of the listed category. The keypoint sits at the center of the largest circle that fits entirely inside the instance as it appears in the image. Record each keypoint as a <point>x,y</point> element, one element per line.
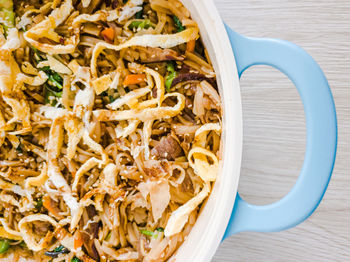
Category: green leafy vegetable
<point>19,147</point>
<point>108,236</point>
<point>51,95</point>
<point>39,203</point>
<point>172,74</point>
<point>160,229</point>
<point>144,24</point>
<point>169,80</point>
<point>170,67</point>
<point>75,259</point>
<point>54,84</point>
<point>58,250</point>
<point>151,233</point>
<point>139,14</point>
<point>178,24</point>
<point>54,78</point>
<point>4,245</point>
<point>7,16</point>
<point>23,244</point>
<point>147,232</point>
<point>37,55</point>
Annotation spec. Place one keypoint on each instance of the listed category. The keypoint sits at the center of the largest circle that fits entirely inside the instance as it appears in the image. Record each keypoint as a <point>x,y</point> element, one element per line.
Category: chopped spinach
<point>178,24</point>
<point>58,250</point>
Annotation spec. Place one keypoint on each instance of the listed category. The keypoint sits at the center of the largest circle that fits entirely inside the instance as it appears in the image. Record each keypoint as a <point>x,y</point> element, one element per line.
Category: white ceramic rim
<point>210,227</point>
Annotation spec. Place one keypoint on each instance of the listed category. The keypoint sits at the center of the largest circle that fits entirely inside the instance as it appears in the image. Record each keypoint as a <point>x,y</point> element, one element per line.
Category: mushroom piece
<point>167,148</point>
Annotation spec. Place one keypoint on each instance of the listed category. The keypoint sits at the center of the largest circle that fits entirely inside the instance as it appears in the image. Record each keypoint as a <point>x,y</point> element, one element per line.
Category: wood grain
<point>274,128</point>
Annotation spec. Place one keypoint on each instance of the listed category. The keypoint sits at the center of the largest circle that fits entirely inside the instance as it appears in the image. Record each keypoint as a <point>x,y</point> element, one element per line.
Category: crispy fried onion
<point>21,113</point>
<point>130,9</point>
<point>7,232</point>
<point>54,173</point>
<point>145,114</point>
<point>8,72</point>
<point>38,180</point>
<point>159,193</point>
<point>12,41</point>
<point>162,41</point>
<point>29,236</point>
<point>45,29</point>
<point>129,99</point>
<point>84,99</point>
<point>128,130</point>
<point>180,216</point>
<point>199,160</point>
<point>204,163</point>
<point>158,79</point>
<point>202,132</point>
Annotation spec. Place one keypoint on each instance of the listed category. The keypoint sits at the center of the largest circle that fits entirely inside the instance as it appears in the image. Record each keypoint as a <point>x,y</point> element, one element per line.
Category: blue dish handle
<point>321,125</point>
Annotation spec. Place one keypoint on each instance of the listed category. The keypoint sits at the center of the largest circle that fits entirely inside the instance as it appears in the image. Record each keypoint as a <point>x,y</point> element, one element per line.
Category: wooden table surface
<point>274,128</point>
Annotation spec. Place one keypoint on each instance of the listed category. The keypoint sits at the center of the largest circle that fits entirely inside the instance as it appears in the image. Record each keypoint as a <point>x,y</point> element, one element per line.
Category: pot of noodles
<point>121,131</point>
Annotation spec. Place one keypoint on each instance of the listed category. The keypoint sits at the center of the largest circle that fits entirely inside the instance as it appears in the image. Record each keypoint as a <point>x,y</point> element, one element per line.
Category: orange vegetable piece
<point>191,46</point>
<point>50,205</point>
<point>78,240</point>
<point>134,79</point>
<point>108,34</point>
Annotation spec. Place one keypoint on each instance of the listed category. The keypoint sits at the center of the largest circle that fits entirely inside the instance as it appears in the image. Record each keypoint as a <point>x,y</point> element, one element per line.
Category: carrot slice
<point>78,240</point>
<point>108,34</point>
<point>134,79</point>
<point>191,46</point>
<point>50,205</point>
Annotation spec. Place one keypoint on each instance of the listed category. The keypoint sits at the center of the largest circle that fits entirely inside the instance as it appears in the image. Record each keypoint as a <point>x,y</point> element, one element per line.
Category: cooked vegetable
<point>7,16</point>
<point>4,245</point>
<point>58,250</point>
<point>51,95</point>
<point>108,34</point>
<point>78,240</point>
<point>139,14</point>
<point>37,55</point>
<point>170,67</point>
<point>142,24</point>
<point>54,78</point>
<point>152,233</point>
<point>75,259</point>
<point>51,206</point>
<point>39,203</point>
<point>178,24</point>
<point>172,74</point>
<point>191,45</point>
<point>54,85</point>
<point>134,79</point>
<point>147,232</point>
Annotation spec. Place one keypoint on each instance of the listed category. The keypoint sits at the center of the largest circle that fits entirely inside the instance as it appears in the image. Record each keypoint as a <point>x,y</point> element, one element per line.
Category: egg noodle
<point>110,129</point>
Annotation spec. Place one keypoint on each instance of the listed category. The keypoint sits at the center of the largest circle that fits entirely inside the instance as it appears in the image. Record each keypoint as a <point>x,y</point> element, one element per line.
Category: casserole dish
<point>73,74</point>
<point>225,212</point>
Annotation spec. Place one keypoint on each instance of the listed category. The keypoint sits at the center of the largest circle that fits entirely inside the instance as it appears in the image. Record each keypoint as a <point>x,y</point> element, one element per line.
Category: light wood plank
<point>274,128</point>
